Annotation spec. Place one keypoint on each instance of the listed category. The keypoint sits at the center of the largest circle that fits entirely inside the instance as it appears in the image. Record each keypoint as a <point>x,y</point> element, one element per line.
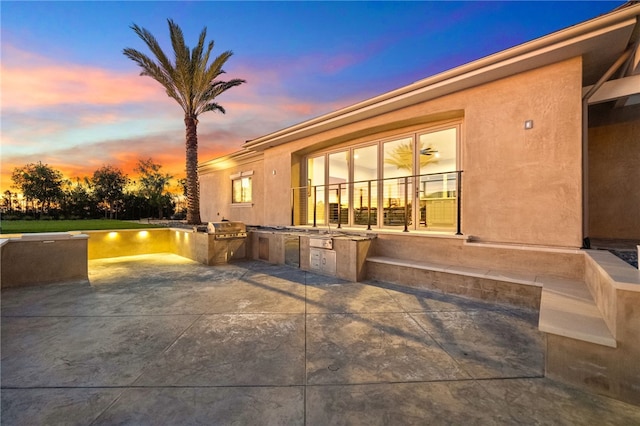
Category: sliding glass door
<point>405,182</point>
<point>338,188</point>
<point>316,190</point>
<point>365,186</point>
<point>397,194</point>
<point>437,187</point>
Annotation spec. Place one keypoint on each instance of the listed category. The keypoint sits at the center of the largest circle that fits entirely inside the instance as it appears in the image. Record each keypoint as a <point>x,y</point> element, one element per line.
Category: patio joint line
<point>144,367</point>
<point>108,407</point>
<point>408,382</point>
<point>440,346</point>
<point>306,381</point>
<point>314,385</point>
<point>125,387</point>
<point>101,316</point>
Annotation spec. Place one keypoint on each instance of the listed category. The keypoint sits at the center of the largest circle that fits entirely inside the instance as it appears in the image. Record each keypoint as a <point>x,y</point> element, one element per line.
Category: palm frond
<point>212,106</point>
<point>214,90</point>
<point>199,60</point>
<point>215,69</point>
<point>155,48</point>
<point>183,73</point>
<point>196,53</point>
<point>155,71</point>
<point>191,80</point>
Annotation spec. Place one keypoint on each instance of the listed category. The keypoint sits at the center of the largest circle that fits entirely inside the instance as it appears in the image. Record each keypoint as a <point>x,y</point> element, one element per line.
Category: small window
<point>241,190</point>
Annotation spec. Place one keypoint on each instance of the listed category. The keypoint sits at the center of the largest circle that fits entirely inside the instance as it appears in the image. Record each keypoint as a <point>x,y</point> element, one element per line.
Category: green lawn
<point>25,226</point>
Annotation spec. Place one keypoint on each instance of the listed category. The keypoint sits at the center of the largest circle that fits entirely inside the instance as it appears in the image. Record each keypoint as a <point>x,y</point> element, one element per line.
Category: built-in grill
<point>227,230</point>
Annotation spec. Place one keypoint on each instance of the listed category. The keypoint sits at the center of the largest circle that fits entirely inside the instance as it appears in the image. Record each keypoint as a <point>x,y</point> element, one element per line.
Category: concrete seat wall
<point>43,258</point>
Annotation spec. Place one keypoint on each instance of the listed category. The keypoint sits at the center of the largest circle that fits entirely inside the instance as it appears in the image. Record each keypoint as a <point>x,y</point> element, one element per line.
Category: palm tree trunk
<point>193,189</point>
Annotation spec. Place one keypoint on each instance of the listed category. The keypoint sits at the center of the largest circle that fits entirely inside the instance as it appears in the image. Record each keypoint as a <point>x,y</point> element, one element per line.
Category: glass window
<point>365,163</point>
<point>437,155</point>
<point>398,158</point>
<point>315,176</point>
<point>437,191</point>
<point>338,190</point>
<point>397,193</point>
<point>241,190</point>
<point>365,193</point>
<point>438,151</point>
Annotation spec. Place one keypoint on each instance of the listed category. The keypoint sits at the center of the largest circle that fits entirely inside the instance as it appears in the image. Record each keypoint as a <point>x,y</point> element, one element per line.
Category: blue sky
<point>73,100</point>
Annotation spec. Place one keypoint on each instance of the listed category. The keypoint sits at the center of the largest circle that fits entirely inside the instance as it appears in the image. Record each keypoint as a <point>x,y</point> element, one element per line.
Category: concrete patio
<point>159,339</point>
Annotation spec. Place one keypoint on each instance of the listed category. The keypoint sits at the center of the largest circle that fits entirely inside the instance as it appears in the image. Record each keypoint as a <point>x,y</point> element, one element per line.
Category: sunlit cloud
<point>85,117</point>
<point>33,81</point>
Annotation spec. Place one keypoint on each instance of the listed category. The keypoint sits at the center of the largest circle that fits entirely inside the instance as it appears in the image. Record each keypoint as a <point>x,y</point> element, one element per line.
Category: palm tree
<point>191,81</point>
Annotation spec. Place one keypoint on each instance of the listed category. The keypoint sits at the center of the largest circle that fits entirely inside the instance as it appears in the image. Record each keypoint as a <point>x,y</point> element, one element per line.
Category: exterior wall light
<point>528,124</point>
<point>112,235</point>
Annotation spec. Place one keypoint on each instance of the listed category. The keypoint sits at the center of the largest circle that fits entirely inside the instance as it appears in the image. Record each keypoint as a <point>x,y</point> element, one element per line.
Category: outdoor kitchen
<point>214,244</point>
<point>333,253</point>
<point>336,254</point>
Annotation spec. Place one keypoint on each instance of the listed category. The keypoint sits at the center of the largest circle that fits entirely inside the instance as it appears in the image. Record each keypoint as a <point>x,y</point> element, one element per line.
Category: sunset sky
<point>72,100</point>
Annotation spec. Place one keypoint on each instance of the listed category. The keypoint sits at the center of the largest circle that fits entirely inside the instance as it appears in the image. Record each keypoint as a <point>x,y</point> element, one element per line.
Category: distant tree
<point>7,202</point>
<point>39,182</point>
<point>108,185</point>
<point>179,201</point>
<point>192,83</point>
<point>78,200</point>
<point>183,185</point>
<point>152,184</point>
<point>134,205</point>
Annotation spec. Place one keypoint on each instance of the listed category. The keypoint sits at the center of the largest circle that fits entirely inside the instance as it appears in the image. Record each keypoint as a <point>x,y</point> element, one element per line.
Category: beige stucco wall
<point>44,260</point>
<point>198,246</point>
<point>215,194</point>
<point>128,242</point>
<point>519,186</point>
<point>525,185</point>
<point>614,179</point>
<point>456,251</point>
<point>277,166</point>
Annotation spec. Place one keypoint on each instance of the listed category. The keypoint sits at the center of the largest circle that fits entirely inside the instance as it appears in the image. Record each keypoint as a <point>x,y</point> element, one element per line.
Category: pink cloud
<point>32,81</point>
<point>339,62</point>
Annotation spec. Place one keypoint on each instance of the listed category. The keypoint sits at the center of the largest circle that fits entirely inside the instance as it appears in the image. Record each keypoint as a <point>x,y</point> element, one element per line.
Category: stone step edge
<point>568,309</point>
<point>559,312</point>
<point>505,276</point>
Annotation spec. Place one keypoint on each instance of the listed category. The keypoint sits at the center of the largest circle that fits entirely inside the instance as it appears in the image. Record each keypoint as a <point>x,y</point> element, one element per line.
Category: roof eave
<point>240,157</point>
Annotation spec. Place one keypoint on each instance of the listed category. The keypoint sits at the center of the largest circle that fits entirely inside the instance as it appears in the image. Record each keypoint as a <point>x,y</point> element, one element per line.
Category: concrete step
<point>568,309</point>
<point>519,289</point>
<point>505,276</point>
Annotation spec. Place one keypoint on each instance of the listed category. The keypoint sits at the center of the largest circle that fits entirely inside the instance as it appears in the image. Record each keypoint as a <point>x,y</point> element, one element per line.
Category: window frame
<point>240,177</point>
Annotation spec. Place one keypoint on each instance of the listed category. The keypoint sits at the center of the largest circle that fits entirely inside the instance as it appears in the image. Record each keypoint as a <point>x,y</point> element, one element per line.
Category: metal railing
<point>382,202</point>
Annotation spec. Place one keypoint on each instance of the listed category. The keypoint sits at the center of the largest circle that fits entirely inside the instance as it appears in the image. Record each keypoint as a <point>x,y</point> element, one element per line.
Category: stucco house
<point>490,180</point>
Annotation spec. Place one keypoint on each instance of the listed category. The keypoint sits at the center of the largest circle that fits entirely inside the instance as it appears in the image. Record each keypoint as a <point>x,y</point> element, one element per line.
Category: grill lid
<point>227,229</point>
